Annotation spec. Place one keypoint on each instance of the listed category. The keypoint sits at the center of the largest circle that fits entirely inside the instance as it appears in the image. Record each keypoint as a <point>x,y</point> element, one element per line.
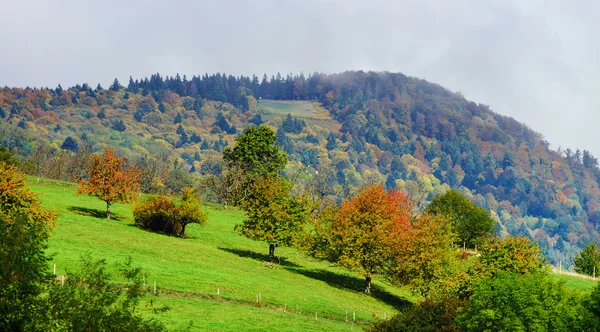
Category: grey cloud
<point>533,60</point>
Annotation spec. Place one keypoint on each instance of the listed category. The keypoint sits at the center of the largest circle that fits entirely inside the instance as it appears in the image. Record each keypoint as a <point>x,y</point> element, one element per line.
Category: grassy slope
<point>311,112</point>
<point>189,271</point>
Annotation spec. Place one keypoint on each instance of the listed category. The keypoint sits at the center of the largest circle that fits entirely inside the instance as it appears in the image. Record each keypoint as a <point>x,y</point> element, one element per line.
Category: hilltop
<point>340,131</point>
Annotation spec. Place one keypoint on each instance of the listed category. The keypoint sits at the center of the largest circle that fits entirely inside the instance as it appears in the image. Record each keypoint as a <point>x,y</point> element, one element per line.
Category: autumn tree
<point>471,223</point>
<point>365,228</point>
<point>512,254</point>
<point>273,216</point>
<point>587,261</point>
<point>111,179</point>
<point>424,258</point>
<point>24,230</point>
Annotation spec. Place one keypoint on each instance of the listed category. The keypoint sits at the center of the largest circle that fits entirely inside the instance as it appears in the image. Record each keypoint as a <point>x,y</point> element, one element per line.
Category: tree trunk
<point>368,285</point>
<point>271,252</point>
<point>182,233</point>
<point>108,210</point>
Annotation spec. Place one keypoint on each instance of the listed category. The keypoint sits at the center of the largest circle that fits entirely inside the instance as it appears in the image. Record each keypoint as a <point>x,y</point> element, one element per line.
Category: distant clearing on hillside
<point>311,112</point>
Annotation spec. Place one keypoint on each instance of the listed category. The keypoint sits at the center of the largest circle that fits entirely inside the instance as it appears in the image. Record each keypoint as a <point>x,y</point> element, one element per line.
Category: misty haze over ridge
<point>534,61</point>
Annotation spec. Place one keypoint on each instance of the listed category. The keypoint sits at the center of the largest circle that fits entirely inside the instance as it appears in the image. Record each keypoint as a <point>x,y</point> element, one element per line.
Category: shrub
<point>425,316</point>
<point>90,300</point>
<point>155,215</point>
<point>162,214</point>
<point>534,302</point>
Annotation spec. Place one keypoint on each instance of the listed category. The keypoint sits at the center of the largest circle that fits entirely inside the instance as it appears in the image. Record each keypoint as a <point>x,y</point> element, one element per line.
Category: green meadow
<point>211,280</point>
<point>311,112</point>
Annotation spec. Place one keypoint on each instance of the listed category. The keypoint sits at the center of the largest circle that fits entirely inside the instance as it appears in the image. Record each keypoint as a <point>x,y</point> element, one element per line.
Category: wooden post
<point>285,308</point>
<point>316,317</point>
<point>218,291</point>
<point>62,280</point>
<point>154,287</point>
<point>384,316</point>
<point>353,317</point>
<point>54,269</point>
<point>464,246</point>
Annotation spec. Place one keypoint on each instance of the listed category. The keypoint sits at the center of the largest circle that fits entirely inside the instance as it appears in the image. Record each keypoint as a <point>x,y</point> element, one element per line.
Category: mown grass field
<point>189,271</point>
<point>311,112</point>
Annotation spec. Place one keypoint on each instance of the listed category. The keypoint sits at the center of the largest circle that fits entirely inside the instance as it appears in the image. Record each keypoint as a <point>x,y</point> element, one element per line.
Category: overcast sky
<point>537,61</point>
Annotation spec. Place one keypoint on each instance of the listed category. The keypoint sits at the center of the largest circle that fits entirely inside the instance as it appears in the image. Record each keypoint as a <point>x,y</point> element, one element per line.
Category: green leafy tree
<point>587,261</point>
<point>471,223</point>
<point>428,315</point>
<point>254,157</point>
<point>256,153</point>
<point>272,215</point>
<point>510,302</point>
<point>6,156</point>
<point>24,230</point>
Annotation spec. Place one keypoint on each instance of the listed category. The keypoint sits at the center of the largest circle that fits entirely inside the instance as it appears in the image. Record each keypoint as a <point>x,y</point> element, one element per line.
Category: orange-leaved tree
<point>366,226</point>
<point>425,258</point>
<point>110,179</point>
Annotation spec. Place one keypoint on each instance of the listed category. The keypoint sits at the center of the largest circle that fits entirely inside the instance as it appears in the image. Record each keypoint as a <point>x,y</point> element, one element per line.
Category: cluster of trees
<point>503,285</point>
<point>410,134</point>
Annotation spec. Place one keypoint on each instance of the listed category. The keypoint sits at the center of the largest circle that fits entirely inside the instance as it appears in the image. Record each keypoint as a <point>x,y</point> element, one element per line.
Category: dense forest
<point>365,127</point>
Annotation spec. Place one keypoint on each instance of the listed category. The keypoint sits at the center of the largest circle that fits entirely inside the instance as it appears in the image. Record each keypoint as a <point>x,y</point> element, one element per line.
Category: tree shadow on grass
<point>261,257</point>
<point>94,213</point>
<point>342,281</point>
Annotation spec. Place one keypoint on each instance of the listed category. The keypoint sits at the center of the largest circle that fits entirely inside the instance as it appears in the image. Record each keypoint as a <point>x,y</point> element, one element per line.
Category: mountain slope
<point>348,129</point>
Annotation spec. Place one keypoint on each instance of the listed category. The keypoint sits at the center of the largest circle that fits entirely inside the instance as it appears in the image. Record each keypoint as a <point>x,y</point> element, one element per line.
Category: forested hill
<point>340,131</point>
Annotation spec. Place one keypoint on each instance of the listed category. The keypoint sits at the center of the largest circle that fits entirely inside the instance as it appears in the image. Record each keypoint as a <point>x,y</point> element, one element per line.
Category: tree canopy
<point>471,223</point>
<point>587,261</point>
<point>273,216</point>
<point>365,227</point>
<point>256,153</point>
<point>110,179</point>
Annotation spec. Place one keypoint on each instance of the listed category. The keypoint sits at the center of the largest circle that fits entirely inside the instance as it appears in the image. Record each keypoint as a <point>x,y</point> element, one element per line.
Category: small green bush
<point>429,315</point>
<point>162,214</point>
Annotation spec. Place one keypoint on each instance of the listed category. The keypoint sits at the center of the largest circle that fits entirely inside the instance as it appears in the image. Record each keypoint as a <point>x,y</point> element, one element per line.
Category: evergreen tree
<point>178,118</point>
<point>70,144</point>
<point>331,142</point>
